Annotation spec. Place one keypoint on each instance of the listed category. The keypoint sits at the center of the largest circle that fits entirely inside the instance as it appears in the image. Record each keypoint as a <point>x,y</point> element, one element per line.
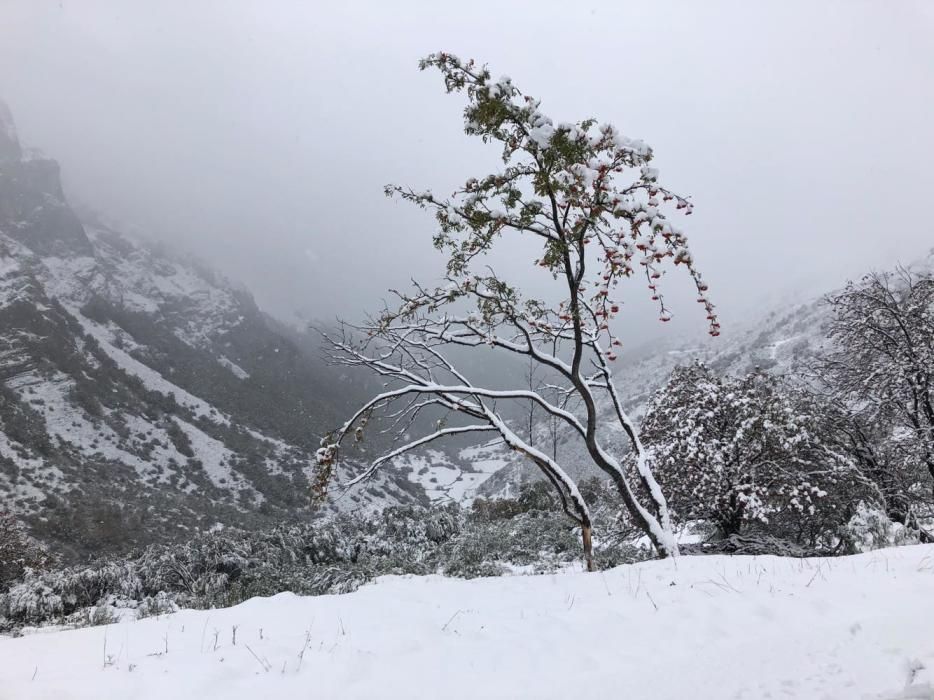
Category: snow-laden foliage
<point>594,212</point>
<point>879,368</point>
<point>18,551</point>
<point>333,555</point>
<point>870,528</point>
<point>738,450</point>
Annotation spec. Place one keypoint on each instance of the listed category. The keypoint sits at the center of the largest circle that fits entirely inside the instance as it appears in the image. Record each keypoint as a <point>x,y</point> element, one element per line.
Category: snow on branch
<point>591,204</point>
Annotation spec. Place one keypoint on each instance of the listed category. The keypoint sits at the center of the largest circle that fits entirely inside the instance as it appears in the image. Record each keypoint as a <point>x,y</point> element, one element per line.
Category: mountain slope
<point>142,396</point>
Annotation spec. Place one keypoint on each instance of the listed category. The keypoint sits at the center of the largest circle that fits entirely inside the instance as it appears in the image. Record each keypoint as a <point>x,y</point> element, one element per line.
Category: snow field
<point>699,627</point>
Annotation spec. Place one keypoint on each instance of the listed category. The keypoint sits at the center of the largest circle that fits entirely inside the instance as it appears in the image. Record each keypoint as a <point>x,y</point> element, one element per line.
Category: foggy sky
<point>259,135</point>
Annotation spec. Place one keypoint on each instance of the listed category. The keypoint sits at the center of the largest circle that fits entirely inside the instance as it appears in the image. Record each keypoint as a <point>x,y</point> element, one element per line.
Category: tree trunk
<point>586,537</point>
<point>640,521</point>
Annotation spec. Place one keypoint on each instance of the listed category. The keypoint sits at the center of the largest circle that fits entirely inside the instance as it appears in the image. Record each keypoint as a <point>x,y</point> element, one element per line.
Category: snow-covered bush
<point>756,544</point>
<point>741,451</point>
<point>151,606</point>
<point>539,537</point>
<point>534,495</point>
<point>870,528</point>
<point>409,533</point>
<point>52,594</point>
<point>18,551</point>
<point>333,555</point>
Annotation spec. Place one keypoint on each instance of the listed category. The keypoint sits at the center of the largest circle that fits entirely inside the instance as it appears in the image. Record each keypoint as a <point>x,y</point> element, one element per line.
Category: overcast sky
<point>258,135</point>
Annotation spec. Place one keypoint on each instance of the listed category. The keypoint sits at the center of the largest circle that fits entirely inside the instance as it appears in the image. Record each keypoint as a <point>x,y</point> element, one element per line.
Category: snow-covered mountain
<point>141,395</point>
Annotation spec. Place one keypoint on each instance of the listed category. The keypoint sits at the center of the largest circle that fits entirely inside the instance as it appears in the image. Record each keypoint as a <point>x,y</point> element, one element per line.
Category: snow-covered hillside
<point>143,396</point>
<point>697,627</point>
<point>456,477</point>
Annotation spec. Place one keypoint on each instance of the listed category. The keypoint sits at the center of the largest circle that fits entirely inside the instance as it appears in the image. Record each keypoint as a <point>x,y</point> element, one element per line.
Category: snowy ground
<point>445,481</point>
<point>702,627</point>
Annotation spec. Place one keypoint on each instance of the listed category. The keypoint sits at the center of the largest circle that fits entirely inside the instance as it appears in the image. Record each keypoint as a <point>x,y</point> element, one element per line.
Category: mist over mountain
<point>261,140</point>
<point>143,396</point>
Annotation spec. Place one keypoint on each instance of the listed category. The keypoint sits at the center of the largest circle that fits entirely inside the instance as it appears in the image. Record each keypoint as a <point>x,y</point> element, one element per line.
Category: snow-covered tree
<point>880,365</point>
<point>877,458</point>
<point>593,212</point>
<point>735,450</point>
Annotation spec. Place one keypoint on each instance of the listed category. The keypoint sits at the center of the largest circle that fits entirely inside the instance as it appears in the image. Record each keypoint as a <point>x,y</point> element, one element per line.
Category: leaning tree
<point>588,199</point>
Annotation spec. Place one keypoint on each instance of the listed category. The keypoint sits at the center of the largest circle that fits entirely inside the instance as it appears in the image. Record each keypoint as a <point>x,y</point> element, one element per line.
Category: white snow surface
<point>698,627</point>
<point>216,459</point>
<point>138,279</point>
<point>151,379</point>
<point>443,480</point>
<point>236,369</point>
